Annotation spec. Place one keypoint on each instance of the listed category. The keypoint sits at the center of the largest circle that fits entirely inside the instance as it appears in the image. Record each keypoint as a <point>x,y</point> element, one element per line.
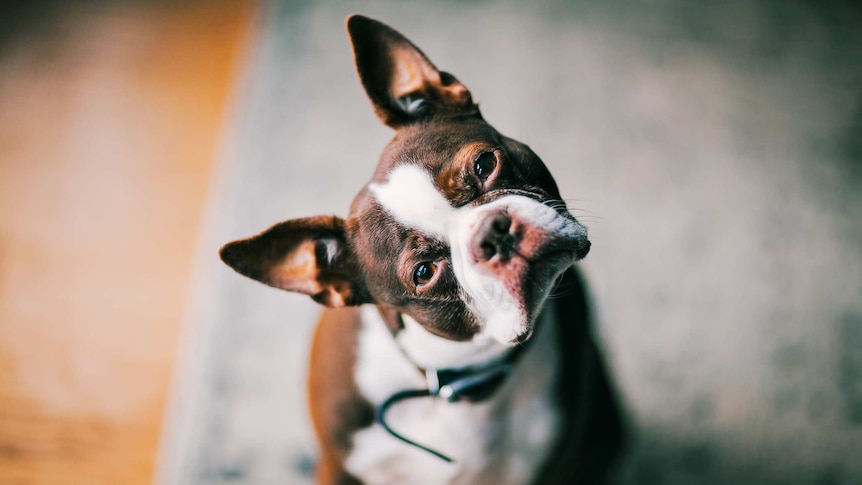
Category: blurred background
<point>111,113</point>
<point>714,149</point>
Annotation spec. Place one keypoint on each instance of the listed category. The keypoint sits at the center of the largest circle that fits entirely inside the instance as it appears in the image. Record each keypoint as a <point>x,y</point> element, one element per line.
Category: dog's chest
<point>504,439</point>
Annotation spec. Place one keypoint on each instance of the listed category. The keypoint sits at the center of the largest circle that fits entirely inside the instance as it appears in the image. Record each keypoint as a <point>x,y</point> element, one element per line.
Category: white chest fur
<point>501,440</point>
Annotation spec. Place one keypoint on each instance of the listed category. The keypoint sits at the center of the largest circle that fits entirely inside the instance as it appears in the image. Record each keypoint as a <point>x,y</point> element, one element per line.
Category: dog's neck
<point>429,351</point>
<point>454,371</point>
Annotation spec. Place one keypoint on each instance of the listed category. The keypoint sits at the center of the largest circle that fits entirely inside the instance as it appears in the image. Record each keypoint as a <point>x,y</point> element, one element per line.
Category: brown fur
<point>337,408</point>
<point>369,257</point>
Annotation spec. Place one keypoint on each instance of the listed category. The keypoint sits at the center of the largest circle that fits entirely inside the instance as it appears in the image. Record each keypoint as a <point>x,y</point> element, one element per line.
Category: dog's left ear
<point>309,255</point>
<point>404,86</point>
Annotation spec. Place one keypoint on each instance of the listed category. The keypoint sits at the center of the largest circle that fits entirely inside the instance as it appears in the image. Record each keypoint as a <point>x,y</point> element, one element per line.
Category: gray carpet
<point>714,149</point>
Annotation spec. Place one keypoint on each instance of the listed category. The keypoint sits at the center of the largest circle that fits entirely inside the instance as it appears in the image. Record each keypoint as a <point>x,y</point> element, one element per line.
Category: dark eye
<point>424,273</point>
<point>484,165</point>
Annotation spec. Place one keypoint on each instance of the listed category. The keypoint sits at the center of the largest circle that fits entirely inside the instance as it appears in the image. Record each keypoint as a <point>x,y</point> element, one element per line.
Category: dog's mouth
<point>520,251</point>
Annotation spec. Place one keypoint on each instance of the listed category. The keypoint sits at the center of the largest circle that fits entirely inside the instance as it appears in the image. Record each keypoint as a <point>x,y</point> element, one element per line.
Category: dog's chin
<point>517,332</point>
<point>539,297</point>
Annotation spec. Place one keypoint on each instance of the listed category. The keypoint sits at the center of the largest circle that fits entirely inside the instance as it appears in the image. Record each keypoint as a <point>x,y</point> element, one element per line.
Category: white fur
<point>504,319</point>
<point>413,200</point>
<point>331,250</point>
<point>430,351</point>
<point>411,197</point>
<point>501,440</point>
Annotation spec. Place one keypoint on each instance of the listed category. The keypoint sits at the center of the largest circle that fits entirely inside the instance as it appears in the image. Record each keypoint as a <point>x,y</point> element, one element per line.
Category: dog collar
<point>472,383</point>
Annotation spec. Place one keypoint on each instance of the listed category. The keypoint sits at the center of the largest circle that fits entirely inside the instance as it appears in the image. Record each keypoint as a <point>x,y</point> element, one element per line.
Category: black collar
<point>471,383</point>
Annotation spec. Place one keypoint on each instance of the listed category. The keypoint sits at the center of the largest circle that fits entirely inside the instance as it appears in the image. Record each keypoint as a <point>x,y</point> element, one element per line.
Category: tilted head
<point>461,229</point>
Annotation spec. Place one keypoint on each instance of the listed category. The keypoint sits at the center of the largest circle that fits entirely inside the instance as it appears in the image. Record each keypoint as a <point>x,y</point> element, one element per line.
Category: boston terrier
<point>456,347</point>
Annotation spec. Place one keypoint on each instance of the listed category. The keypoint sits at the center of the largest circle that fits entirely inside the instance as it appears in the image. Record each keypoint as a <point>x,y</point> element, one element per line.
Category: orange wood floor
<point>109,119</point>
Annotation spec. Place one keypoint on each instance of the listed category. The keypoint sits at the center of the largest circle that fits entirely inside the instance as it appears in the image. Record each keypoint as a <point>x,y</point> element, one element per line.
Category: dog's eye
<point>484,165</point>
<point>424,273</point>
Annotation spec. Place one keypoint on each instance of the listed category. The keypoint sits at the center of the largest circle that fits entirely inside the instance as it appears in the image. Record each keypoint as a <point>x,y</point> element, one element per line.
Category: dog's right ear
<point>403,85</point>
<point>309,255</point>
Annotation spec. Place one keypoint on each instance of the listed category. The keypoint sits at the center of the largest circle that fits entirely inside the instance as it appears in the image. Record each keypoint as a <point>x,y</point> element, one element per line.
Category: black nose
<point>493,238</point>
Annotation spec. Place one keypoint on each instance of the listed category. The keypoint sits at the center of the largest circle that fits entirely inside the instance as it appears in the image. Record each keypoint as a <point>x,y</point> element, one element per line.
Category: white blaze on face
<point>413,200</point>
<point>411,197</point>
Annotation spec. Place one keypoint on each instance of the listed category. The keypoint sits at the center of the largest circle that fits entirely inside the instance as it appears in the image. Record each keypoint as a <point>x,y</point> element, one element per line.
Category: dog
<point>456,347</point>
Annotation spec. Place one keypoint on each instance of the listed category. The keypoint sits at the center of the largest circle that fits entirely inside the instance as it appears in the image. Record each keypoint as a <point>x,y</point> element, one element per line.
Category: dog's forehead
<point>427,170</point>
<point>435,145</point>
<point>419,178</point>
<point>410,196</point>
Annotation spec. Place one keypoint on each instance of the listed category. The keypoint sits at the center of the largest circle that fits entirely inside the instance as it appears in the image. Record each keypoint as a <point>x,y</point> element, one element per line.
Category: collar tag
<point>433,381</point>
<point>473,386</point>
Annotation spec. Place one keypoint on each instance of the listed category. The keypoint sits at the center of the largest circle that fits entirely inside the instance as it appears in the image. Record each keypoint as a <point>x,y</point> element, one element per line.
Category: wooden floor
<point>109,118</point>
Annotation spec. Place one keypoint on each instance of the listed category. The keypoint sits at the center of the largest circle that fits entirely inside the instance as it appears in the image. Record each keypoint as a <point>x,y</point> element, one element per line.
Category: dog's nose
<point>494,238</point>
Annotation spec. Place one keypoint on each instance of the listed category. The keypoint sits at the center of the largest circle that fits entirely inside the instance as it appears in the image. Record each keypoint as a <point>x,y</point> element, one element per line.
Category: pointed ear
<point>310,256</point>
<point>403,85</point>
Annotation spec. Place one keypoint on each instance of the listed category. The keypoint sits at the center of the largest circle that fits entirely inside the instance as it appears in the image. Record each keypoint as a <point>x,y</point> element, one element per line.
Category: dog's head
<point>460,228</point>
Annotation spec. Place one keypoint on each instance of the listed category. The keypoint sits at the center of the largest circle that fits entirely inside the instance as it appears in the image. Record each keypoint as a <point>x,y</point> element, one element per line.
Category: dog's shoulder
<point>338,408</point>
